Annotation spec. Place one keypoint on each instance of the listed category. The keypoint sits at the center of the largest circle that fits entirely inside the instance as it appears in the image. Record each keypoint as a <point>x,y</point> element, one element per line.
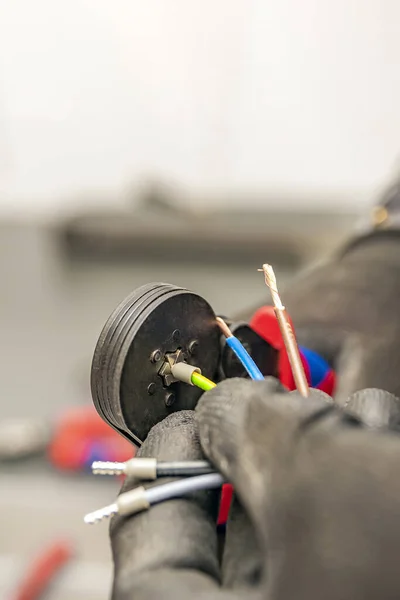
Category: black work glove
<point>348,311</point>
<point>317,513</point>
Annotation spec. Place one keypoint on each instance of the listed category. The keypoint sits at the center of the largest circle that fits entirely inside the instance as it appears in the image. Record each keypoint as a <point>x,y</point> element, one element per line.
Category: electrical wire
<point>192,375</point>
<point>175,489</point>
<point>237,347</point>
<point>287,332</point>
<point>140,499</point>
<point>184,469</point>
<point>202,382</point>
<point>150,468</point>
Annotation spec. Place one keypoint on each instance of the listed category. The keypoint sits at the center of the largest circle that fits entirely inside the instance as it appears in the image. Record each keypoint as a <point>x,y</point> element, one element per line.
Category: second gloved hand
<point>319,493</point>
<point>347,311</point>
<point>317,509</point>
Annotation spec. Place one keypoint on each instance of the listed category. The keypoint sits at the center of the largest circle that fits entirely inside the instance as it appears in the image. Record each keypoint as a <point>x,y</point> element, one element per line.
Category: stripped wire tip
<point>224,327</point>
<point>270,281</point>
<point>287,332</point>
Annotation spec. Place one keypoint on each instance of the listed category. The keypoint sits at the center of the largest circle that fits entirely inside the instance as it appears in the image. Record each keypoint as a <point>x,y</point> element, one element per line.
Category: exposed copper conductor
<point>224,327</point>
<point>287,332</point>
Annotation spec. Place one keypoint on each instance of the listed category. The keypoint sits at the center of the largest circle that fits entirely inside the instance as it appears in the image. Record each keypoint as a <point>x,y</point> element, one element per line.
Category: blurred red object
<point>43,570</point>
<point>225,503</point>
<point>265,323</point>
<point>81,437</point>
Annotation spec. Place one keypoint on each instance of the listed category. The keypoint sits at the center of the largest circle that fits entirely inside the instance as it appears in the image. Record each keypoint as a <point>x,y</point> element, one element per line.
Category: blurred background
<point>176,141</point>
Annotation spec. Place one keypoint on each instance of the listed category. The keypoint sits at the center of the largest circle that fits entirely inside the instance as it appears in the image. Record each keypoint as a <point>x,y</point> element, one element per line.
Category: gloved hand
<point>347,310</point>
<point>317,513</point>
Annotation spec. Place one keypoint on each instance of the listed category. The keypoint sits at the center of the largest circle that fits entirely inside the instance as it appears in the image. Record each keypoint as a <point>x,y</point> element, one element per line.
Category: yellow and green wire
<point>202,382</point>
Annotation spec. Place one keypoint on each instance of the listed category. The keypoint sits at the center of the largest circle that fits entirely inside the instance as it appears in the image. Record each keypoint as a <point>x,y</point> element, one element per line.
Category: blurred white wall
<point>296,96</point>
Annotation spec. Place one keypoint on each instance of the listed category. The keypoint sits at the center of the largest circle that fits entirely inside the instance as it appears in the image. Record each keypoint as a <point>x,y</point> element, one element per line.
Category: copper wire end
<point>270,280</point>
<point>224,327</point>
<point>287,332</point>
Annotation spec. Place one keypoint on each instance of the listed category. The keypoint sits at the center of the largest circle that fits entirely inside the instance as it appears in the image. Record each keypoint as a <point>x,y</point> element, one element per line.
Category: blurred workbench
<point>52,310</point>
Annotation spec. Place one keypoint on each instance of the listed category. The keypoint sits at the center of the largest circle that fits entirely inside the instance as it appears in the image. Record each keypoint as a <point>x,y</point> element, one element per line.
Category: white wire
<point>176,489</point>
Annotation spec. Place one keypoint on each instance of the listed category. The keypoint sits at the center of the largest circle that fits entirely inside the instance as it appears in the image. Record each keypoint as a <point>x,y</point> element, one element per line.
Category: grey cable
<point>150,468</point>
<point>175,489</point>
<point>184,468</point>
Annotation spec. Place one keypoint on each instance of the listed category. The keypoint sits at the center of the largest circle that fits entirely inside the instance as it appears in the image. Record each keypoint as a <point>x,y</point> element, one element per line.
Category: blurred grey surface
<point>52,311</point>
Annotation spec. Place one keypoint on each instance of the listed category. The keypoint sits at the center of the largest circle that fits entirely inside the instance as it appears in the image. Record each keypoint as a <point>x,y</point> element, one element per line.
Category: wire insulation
<point>202,382</point>
<point>237,347</point>
<point>176,489</point>
<point>184,468</point>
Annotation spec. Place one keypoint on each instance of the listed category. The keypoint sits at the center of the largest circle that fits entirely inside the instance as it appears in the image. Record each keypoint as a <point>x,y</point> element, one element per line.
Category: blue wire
<point>318,366</point>
<point>244,358</point>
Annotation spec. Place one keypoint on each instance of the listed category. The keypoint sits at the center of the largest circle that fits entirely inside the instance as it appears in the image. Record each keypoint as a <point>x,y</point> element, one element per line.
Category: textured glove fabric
<point>320,489</point>
<point>316,513</point>
<point>348,310</point>
<point>172,548</point>
<point>375,408</point>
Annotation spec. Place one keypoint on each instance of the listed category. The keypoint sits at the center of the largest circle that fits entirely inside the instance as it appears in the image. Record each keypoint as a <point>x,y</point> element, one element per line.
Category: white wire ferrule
<point>184,372</point>
<point>127,503</point>
<point>142,468</point>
